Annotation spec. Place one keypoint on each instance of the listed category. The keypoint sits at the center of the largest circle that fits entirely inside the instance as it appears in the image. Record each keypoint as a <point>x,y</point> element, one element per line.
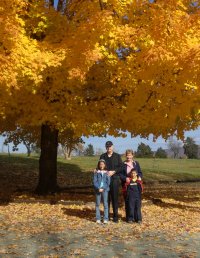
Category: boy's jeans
<point>103,195</point>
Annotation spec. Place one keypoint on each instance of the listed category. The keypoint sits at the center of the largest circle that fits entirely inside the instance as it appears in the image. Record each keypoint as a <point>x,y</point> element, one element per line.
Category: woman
<point>127,166</point>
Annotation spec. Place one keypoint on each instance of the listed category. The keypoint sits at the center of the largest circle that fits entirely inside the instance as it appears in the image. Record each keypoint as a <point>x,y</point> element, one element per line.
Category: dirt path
<point>78,243</point>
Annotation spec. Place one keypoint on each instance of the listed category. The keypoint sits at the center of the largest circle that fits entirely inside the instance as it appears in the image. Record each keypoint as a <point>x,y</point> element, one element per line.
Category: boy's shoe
<point>105,222</point>
<point>139,222</point>
<point>129,221</point>
<point>98,222</point>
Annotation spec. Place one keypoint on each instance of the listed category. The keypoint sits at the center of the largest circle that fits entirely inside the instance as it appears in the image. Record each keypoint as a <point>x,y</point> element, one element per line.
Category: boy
<point>134,190</point>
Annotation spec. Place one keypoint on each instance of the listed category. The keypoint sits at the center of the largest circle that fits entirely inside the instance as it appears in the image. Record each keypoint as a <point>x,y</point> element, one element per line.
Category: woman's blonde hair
<point>129,151</point>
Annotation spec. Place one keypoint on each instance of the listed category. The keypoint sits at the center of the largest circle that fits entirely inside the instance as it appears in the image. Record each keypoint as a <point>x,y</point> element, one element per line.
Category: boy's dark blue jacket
<point>123,172</point>
<point>139,186</point>
<point>97,181</point>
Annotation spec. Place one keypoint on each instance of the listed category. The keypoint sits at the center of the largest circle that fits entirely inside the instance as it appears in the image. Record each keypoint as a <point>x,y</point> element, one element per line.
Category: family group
<point>111,174</point>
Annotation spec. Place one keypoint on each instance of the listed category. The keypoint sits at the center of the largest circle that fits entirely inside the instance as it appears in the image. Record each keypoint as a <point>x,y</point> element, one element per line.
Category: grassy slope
<point>161,169</point>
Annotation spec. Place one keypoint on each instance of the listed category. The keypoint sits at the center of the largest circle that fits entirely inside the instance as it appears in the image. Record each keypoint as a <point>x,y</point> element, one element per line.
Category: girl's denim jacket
<point>98,178</point>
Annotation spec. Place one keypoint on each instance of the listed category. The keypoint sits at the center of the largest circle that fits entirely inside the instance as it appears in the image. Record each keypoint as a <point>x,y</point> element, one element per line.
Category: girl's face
<point>129,156</point>
<point>102,165</point>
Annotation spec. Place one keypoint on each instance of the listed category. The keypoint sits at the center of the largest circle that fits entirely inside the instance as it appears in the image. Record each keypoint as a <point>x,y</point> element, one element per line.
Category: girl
<point>128,164</point>
<point>101,182</point>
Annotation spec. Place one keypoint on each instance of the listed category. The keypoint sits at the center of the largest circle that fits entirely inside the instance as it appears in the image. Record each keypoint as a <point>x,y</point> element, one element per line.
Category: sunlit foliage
<point>101,66</point>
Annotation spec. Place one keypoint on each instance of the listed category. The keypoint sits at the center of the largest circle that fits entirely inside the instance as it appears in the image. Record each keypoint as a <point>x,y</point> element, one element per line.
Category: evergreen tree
<point>89,151</point>
<point>190,148</point>
<point>144,151</point>
<point>161,153</point>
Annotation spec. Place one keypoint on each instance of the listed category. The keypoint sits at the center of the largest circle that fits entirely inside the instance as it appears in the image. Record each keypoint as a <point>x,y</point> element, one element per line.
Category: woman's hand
<point>101,190</point>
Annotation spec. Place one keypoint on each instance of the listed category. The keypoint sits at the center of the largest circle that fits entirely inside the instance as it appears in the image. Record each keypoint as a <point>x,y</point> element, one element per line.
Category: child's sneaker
<point>98,222</point>
<point>105,222</point>
<point>130,221</point>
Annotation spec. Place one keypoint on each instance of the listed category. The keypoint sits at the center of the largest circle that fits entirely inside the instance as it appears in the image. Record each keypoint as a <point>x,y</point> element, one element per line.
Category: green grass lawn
<point>170,168</point>
<point>153,169</point>
<point>161,169</point>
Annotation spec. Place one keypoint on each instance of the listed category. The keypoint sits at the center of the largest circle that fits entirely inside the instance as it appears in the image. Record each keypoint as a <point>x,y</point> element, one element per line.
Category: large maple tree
<point>98,67</point>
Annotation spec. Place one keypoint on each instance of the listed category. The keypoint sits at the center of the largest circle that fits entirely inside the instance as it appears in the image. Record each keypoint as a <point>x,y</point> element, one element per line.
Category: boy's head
<point>133,173</point>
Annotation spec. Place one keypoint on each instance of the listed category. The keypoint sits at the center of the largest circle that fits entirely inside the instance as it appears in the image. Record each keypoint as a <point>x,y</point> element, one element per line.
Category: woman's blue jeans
<point>104,196</point>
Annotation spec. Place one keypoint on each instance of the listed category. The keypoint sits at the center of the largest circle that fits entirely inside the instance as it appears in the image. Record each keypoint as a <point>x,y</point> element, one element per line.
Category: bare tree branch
<point>51,2</point>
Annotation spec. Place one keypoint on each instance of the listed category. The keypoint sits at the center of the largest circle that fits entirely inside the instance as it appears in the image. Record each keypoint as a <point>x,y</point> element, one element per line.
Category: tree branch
<point>101,5</point>
<point>51,2</point>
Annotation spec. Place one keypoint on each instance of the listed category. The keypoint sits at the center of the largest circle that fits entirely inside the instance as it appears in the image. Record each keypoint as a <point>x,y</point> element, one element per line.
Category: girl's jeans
<point>104,196</point>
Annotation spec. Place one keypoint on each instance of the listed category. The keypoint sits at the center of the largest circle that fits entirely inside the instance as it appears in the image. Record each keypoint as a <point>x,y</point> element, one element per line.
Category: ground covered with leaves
<point>63,225</point>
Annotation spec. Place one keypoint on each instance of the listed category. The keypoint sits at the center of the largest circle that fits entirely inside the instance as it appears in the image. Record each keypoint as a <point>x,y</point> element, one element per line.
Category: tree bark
<point>48,161</point>
<point>28,147</point>
<point>28,152</point>
<point>51,2</point>
<point>8,150</point>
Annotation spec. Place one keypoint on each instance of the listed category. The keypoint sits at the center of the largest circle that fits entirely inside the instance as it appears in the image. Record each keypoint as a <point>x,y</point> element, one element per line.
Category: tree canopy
<point>101,66</point>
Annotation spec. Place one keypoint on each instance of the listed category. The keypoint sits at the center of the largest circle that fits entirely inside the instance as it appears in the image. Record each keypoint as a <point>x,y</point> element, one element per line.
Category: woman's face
<point>129,156</point>
<point>102,165</point>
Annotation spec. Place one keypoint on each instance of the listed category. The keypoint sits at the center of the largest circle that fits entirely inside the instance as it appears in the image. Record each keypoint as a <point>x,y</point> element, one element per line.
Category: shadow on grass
<point>19,174</point>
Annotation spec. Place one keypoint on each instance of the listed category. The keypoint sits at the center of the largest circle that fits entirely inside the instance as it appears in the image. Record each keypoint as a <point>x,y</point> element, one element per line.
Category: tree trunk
<point>28,147</point>
<point>48,161</point>
<point>8,150</point>
<point>68,153</point>
<point>51,2</point>
<point>69,157</point>
<point>28,152</point>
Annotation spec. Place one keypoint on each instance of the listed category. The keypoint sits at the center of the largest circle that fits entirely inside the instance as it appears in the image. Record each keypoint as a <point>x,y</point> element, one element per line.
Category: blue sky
<point>120,144</point>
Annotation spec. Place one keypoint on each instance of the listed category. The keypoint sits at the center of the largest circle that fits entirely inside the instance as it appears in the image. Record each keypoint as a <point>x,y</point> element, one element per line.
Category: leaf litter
<point>63,225</point>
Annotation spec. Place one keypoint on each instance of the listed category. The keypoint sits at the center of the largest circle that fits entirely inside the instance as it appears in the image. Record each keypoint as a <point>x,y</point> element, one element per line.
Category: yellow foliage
<point>101,67</point>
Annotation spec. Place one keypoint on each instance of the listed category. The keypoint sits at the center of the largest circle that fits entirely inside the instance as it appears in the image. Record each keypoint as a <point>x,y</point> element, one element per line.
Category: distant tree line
<point>73,145</point>
<point>144,151</point>
<point>176,149</point>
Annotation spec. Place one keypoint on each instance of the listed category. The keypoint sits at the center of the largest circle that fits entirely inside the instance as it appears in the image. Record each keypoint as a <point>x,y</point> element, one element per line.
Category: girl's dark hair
<point>101,160</point>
